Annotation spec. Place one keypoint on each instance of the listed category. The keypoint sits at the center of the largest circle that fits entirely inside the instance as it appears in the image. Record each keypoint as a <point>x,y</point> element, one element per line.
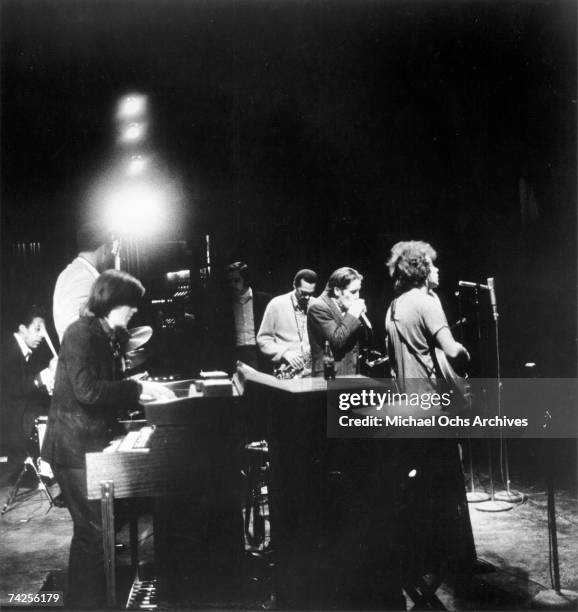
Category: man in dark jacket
<point>89,392</point>
<point>26,382</point>
<point>335,317</point>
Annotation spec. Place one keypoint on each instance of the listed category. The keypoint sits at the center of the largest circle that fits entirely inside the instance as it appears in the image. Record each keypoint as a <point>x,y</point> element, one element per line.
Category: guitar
<point>454,375</point>
<point>456,378</point>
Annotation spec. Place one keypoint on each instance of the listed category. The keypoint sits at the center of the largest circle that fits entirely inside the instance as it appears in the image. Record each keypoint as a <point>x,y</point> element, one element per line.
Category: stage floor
<point>512,550</point>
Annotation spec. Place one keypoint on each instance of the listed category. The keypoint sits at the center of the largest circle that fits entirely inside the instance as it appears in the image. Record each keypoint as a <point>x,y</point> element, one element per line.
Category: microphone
<point>471,285</point>
<point>492,291</point>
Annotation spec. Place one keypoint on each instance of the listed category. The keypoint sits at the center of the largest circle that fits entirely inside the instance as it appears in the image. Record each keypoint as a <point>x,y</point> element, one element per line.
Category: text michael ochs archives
<point>483,407</point>
<point>369,398</point>
<point>441,420</point>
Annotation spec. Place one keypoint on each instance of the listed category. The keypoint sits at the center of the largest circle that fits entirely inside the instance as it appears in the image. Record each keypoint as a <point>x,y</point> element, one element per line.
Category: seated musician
<point>26,381</point>
<point>89,392</point>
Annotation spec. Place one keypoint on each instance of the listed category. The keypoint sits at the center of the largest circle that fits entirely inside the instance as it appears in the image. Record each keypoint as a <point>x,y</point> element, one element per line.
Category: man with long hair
<point>89,393</point>
<point>415,322</point>
<point>434,529</point>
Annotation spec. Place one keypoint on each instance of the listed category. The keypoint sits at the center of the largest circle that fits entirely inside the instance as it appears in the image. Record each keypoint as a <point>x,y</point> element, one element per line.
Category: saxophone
<point>287,372</point>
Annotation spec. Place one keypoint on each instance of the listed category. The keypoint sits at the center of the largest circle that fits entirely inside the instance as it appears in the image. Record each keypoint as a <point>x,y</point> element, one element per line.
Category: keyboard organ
<point>347,518</point>
<point>187,460</point>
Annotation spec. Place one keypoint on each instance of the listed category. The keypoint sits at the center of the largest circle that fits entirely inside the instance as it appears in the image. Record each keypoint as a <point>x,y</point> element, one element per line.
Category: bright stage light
<point>136,165</point>
<point>133,133</point>
<point>135,196</point>
<point>136,209</point>
<point>131,107</point>
<point>412,473</point>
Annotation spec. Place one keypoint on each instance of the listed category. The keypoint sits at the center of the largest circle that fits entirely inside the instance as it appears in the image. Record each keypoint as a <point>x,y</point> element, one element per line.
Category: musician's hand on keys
<point>155,390</point>
<point>294,359</point>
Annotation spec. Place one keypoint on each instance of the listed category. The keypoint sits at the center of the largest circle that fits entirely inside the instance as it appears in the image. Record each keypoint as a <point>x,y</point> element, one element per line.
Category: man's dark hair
<point>304,275</point>
<point>90,236</point>
<point>408,264</point>
<point>114,288</point>
<point>241,267</point>
<point>341,278</point>
<point>32,313</point>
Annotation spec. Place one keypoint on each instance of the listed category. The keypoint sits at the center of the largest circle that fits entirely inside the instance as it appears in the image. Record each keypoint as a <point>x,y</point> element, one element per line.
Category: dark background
<point>312,134</point>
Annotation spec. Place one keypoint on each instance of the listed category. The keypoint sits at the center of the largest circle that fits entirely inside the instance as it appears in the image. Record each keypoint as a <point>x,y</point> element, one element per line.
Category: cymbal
<point>138,336</point>
<point>134,359</point>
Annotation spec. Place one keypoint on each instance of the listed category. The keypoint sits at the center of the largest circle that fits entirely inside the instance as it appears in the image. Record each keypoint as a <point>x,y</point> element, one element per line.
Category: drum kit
<point>136,354</point>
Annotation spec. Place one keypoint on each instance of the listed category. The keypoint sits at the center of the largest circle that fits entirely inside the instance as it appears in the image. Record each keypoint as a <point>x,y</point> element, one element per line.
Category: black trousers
<point>86,577</point>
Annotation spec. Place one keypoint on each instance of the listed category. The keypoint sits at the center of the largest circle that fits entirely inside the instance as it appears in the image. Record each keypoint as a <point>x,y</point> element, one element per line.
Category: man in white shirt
<point>248,307</point>
<point>283,337</point>
<point>73,285</point>
<point>74,282</point>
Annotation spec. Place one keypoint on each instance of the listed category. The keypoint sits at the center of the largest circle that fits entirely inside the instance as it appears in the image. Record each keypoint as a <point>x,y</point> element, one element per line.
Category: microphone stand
<point>473,496</point>
<point>495,504</point>
<point>508,495</point>
<point>556,598</point>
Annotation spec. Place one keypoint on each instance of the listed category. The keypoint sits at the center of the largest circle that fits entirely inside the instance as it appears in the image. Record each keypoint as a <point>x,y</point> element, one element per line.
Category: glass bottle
<point>328,362</point>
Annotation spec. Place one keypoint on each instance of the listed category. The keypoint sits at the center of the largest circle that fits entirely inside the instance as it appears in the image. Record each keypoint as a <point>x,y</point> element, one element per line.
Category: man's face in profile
<point>33,333</point>
<point>433,278</point>
<point>304,292</point>
<point>346,297</point>
<point>106,254</point>
<point>236,283</point>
